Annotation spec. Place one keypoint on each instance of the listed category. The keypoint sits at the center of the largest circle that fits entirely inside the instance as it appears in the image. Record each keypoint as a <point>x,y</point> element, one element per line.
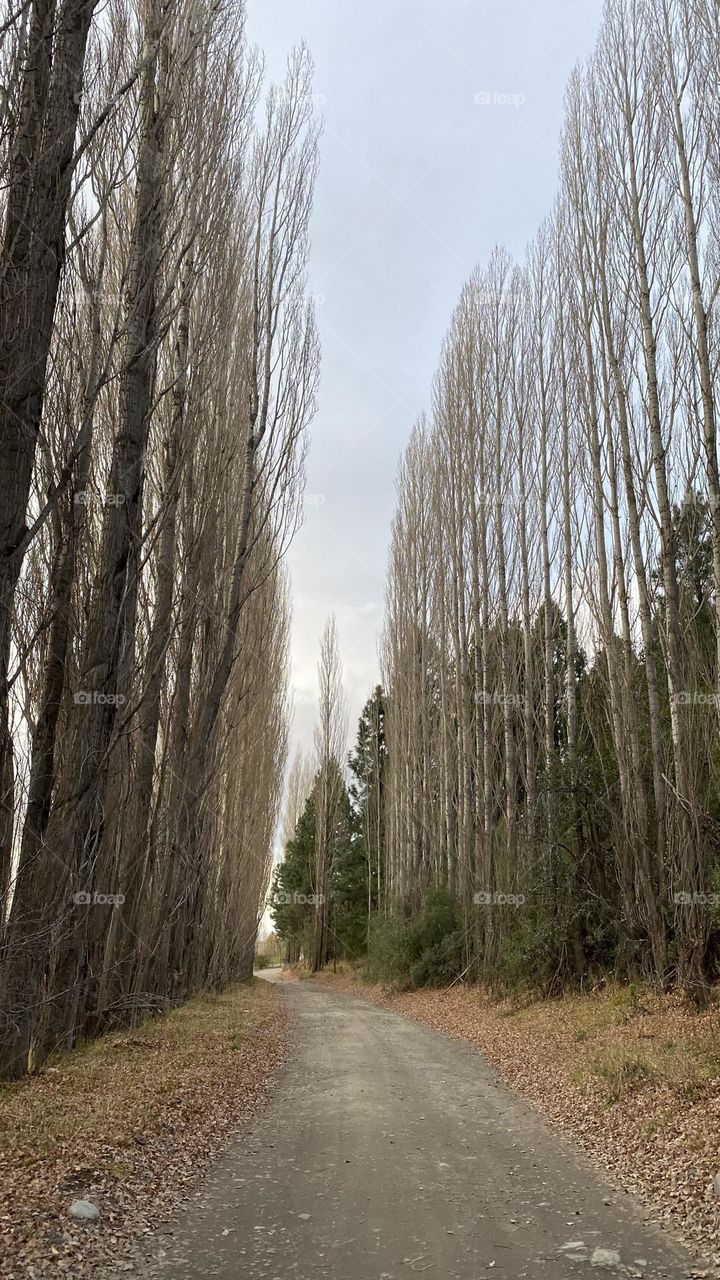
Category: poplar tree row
<point>552,640</point>
<point>158,367</point>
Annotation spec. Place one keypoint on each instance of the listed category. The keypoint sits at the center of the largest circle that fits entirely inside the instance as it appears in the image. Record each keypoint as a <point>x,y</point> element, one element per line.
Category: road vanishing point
<point>390,1150</point>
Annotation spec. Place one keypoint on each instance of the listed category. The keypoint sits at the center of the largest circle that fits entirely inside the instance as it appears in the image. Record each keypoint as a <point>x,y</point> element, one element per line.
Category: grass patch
<point>128,1122</point>
<point>110,1090</point>
<point>621,1069</point>
<point>632,1040</point>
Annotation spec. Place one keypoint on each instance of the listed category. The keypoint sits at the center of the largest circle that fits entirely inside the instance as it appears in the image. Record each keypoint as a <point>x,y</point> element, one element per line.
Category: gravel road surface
<point>389,1149</point>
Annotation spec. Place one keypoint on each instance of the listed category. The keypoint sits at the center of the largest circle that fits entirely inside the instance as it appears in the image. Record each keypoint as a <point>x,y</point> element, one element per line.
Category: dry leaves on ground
<point>128,1122</point>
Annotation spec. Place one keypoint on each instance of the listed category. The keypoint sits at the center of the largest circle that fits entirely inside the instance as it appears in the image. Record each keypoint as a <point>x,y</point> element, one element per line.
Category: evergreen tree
<point>367,765</point>
<point>291,901</point>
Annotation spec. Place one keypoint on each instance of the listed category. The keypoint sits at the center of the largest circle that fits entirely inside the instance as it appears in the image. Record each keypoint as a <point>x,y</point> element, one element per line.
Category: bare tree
<point>148,696</point>
<point>330,746</point>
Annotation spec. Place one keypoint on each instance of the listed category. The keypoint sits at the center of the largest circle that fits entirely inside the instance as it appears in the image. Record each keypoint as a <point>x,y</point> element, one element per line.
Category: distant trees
<point>327,886</point>
<point>553,603</point>
<point>294,901</point>
<point>158,367</point>
<point>330,738</point>
<point>367,764</point>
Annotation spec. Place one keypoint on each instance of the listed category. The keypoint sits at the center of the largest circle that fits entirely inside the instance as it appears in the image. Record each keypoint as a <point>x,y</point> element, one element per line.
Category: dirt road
<point>388,1150</point>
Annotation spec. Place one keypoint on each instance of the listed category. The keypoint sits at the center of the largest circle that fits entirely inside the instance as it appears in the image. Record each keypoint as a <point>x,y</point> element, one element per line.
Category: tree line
<point>551,649</point>
<point>158,371</point>
<point>328,886</point>
<point>553,600</point>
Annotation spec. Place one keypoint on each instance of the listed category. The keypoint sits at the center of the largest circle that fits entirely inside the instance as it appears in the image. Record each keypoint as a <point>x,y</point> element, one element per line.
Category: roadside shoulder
<point>128,1124</point>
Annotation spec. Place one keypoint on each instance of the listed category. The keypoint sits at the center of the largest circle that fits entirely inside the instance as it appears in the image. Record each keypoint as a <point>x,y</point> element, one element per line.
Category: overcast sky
<point>442,120</point>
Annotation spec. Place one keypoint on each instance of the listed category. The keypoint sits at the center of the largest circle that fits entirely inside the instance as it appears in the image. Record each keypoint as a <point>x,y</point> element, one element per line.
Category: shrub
<point>423,952</point>
<point>387,957</point>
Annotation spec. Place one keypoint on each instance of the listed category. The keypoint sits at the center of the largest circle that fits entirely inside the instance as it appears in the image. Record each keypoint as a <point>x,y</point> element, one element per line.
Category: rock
<point>60,1237</point>
<point>84,1211</point>
<point>716,1184</point>
<point>605,1258</point>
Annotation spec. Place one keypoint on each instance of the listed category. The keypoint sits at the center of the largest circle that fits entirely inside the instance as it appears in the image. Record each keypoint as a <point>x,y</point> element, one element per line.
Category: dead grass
<point>128,1122</point>
<point>630,1038</point>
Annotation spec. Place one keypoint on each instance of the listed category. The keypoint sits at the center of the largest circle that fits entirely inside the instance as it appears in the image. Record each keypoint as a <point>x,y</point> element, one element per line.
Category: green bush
<point>558,936</point>
<point>387,959</point>
<point>437,942</point>
<point>424,952</point>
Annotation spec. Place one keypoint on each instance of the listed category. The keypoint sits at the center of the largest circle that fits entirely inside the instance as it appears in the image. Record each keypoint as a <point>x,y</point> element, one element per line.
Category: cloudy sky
<point>442,120</point>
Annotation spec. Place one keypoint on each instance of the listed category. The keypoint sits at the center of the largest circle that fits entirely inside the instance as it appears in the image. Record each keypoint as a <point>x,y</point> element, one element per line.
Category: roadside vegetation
<point>128,1122</point>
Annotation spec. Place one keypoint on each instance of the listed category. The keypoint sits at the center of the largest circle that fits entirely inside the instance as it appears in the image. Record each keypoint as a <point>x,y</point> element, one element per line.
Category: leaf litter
<point>129,1122</point>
